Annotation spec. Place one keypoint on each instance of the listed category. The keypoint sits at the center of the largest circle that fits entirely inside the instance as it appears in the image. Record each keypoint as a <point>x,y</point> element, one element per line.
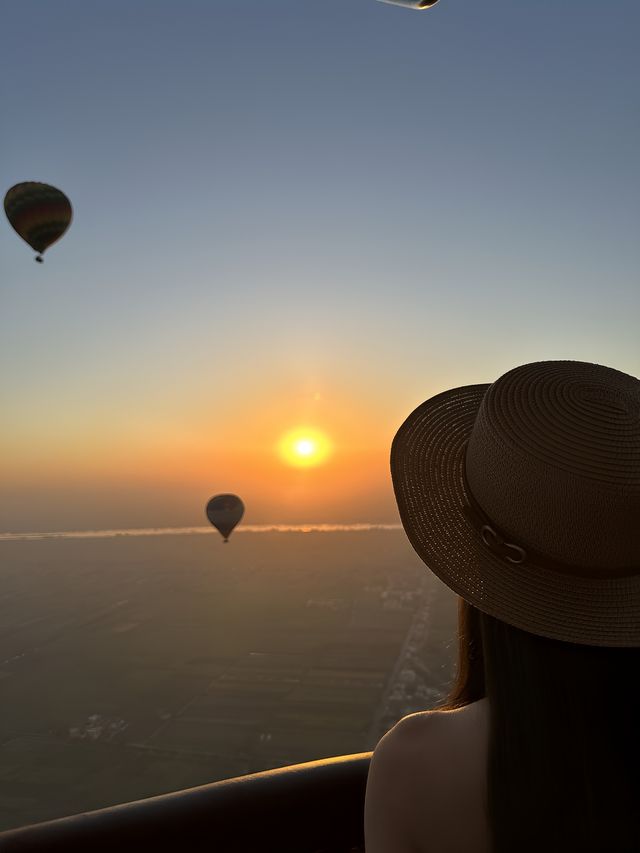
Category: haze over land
<point>290,219</point>
<point>132,666</point>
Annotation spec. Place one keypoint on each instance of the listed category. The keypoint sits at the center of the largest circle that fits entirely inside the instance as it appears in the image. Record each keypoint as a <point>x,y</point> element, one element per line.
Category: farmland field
<point>131,666</point>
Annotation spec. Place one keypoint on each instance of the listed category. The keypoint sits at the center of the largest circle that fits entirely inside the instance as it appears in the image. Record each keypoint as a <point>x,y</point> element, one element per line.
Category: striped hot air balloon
<point>39,213</point>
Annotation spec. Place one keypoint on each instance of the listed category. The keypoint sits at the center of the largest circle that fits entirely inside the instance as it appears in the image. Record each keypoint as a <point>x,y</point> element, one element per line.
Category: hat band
<point>495,540</point>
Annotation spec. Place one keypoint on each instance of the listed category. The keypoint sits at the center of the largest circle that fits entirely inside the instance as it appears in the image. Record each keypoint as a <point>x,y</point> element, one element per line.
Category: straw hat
<point>524,497</point>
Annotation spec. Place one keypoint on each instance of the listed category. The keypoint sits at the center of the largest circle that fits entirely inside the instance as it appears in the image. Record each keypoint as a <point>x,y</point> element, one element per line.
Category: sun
<point>305,448</point>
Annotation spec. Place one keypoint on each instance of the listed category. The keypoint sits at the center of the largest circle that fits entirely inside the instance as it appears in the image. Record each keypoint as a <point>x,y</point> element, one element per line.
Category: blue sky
<point>273,198</point>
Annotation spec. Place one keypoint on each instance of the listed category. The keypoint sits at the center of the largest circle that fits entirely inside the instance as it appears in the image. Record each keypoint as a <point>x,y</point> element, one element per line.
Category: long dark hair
<point>564,746</point>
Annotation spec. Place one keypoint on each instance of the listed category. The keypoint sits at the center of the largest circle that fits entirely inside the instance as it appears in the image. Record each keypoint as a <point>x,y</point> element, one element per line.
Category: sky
<point>295,214</point>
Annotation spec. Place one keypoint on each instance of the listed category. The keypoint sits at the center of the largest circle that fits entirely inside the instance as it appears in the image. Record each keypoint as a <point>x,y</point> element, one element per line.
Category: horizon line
<point>185,531</point>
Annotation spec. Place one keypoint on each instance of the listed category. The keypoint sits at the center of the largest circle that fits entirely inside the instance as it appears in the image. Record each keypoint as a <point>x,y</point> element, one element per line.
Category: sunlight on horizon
<point>307,246</point>
<point>305,448</point>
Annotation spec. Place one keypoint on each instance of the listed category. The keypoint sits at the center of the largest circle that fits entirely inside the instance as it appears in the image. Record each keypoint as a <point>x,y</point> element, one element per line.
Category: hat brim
<point>427,464</point>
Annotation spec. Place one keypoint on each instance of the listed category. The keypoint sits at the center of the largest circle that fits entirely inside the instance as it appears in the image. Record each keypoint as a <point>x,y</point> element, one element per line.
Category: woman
<point>524,497</point>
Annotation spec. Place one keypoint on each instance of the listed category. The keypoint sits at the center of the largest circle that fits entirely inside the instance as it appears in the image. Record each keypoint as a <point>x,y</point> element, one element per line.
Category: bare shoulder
<point>389,811</point>
<point>428,766</point>
<point>434,741</point>
<point>398,758</point>
<point>413,738</point>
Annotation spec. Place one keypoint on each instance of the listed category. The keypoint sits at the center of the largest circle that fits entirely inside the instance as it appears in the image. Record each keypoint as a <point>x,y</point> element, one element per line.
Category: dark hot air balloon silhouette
<point>412,4</point>
<point>39,213</point>
<point>224,512</point>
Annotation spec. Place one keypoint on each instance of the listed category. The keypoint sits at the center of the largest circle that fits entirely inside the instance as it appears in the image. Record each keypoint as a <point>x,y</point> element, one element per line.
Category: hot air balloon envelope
<point>411,4</point>
<point>39,213</point>
<point>224,512</point>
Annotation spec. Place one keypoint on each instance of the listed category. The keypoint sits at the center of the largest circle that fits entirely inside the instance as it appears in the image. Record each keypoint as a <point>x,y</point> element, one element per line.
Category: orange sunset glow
<point>305,448</point>
<point>294,297</point>
<point>309,449</point>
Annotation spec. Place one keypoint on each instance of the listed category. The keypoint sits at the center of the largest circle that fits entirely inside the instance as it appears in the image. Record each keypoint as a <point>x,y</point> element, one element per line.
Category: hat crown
<point>554,459</point>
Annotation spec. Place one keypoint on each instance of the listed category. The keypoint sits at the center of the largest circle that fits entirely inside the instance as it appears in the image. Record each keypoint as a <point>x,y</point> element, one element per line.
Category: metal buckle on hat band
<point>485,526</point>
<point>496,543</point>
<point>494,540</point>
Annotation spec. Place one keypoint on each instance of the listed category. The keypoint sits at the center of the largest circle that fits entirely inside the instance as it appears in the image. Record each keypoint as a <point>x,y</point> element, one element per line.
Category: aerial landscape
<point>137,665</point>
<point>287,291</point>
